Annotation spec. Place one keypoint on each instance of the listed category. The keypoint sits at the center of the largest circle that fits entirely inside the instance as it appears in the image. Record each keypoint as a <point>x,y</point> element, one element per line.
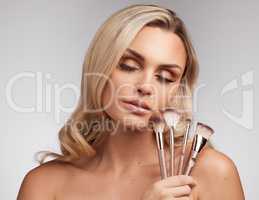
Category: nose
<point>145,86</point>
<point>144,90</point>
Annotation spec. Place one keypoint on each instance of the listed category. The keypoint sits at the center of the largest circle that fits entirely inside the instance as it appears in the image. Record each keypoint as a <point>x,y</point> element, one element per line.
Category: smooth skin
<point>126,164</point>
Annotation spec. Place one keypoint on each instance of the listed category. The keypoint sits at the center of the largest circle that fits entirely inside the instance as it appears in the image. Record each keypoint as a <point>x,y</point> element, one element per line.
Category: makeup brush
<point>202,133</point>
<point>158,126</point>
<point>171,117</point>
<point>185,139</point>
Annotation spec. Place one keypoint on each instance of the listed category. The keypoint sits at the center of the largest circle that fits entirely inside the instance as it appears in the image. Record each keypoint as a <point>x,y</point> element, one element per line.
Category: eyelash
<point>128,68</point>
<point>164,80</point>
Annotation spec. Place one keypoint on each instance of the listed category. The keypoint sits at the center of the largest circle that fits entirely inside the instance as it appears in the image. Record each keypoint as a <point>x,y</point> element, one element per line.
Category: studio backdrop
<point>42,47</point>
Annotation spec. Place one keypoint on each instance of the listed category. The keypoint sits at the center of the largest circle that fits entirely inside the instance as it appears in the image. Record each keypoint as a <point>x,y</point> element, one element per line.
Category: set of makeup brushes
<point>169,119</point>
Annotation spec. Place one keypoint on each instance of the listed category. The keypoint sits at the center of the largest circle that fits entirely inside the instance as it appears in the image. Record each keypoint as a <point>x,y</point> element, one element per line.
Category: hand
<point>171,188</point>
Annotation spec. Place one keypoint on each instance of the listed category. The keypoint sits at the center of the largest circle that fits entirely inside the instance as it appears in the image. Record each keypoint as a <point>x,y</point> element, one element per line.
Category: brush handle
<point>180,168</point>
<point>186,136</point>
<point>190,166</point>
<point>161,154</point>
<point>171,142</point>
<point>162,163</point>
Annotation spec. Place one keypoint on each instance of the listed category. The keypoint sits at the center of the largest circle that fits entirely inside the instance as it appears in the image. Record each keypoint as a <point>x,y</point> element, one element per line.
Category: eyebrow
<point>141,57</point>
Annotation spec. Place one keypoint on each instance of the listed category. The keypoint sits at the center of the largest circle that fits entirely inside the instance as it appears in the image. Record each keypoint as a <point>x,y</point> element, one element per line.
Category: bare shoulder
<point>220,163</point>
<point>216,172</point>
<point>42,181</point>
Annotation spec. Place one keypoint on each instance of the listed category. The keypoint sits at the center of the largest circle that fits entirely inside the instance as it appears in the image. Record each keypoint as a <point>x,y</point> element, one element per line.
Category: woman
<point>140,60</point>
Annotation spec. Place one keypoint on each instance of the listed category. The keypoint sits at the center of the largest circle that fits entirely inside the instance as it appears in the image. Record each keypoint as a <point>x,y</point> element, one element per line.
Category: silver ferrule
<point>194,155</point>
<point>198,144</point>
<point>160,141</point>
<point>171,136</point>
<point>187,133</point>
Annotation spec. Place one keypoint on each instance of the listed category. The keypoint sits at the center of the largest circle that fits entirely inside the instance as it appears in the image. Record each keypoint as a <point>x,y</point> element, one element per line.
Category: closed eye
<point>126,67</point>
<point>163,79</point>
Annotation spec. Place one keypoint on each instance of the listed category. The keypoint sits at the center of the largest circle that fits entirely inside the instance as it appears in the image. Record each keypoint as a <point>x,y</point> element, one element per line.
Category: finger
<point>180,180</point>
<point>183,198</point>
<point>179,191</point>
<point>178,198</point>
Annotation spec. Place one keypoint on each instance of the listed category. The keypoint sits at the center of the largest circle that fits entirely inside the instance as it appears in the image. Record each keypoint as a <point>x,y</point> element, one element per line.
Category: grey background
<point>51,37</point>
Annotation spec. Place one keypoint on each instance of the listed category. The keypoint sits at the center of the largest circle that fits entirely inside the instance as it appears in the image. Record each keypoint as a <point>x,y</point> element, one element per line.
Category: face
<point>146,77</point>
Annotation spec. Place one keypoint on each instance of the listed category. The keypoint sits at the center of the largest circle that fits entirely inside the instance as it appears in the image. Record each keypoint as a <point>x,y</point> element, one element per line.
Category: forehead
<point>159,46</point>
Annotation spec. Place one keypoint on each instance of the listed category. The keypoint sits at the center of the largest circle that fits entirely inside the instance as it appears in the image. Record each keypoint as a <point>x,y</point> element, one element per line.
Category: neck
<point>128,149</point>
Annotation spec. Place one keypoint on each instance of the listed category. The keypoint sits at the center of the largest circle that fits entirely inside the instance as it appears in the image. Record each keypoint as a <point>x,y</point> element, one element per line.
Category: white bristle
<point>171,117</point>
<point>204,130</point>
<point>157,122</point>
<point>159,127</point>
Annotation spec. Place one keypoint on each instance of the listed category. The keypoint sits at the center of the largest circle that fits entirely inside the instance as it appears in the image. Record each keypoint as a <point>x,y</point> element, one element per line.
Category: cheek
<point>165,95</point>
<point>120,86</point>
<point>123,84</point>
<point>109,101</point>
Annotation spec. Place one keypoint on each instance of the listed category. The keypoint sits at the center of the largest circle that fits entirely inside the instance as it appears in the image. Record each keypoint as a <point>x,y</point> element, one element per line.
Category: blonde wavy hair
<point>103,55</point>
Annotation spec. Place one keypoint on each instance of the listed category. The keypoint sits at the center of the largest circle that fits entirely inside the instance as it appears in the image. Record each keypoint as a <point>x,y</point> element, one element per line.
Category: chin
<point>128,120</point>
<point>134,122</point>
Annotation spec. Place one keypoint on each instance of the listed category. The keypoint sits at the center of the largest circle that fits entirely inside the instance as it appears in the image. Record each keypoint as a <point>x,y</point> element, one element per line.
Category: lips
<point>137,103</point>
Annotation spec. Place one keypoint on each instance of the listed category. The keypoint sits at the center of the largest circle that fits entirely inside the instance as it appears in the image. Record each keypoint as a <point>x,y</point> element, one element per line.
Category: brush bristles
<point>187,124</point>
<point>204,130</point>
<point>188,121</point>
<point>171,117</point>
<point>156,122</point>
